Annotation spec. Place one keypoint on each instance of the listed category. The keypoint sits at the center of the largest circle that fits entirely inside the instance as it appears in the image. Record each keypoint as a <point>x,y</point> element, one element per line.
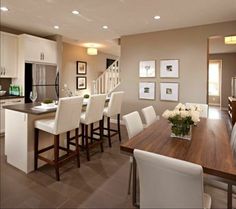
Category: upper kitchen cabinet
<point>38,49</point>
<point>9,55</point>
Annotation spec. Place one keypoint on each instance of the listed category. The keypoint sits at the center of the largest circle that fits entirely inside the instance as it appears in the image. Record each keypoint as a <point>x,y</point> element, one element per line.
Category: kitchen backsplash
<point>5,83</point>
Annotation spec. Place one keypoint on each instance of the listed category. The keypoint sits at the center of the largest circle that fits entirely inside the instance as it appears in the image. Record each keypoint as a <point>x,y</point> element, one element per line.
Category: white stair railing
<point>108,80</point>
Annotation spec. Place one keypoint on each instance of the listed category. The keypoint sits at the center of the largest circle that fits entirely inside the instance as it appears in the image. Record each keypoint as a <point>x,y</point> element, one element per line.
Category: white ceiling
<point>217,46</point>
<point>123,17</point>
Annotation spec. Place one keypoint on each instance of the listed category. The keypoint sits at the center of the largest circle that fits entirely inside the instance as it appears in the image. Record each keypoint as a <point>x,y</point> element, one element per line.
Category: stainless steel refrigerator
<point>44,79</point>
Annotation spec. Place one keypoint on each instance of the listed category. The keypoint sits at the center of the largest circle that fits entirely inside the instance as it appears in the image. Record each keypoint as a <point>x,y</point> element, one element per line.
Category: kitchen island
<point>19,134</point>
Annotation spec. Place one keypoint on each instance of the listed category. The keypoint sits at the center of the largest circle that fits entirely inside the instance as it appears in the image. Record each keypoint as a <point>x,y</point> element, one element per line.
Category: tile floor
<point>100,183</point>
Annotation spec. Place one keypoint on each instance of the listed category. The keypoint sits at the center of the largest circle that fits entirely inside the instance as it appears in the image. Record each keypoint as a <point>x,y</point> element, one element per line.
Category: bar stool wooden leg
<point>68,141</point>
<point>109,131</point>
<point>86,142</point>
<point>56,156</point>
<point>77,146</point>
<point>91,132</point>
<point>118,124</point>
<point>101,133</point>
<point>36,144</point>
<point>82,136</point>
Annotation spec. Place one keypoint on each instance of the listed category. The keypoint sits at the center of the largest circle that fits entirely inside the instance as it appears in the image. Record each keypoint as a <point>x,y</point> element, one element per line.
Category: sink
<point>2,92</point>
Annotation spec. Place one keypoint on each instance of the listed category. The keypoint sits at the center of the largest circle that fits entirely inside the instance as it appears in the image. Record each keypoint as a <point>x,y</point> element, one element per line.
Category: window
<point>214,78</point>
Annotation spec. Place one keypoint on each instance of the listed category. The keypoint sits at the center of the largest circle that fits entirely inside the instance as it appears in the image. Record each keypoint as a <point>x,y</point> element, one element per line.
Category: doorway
<point>214,82</point>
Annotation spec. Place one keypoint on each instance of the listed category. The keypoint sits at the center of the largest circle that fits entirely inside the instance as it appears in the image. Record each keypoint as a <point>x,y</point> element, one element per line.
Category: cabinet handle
<point>4,72</point>
<point>43,56</point>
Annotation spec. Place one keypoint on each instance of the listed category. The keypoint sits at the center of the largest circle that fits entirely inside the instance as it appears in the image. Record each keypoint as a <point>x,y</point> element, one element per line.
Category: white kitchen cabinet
<point>39,50</point>
<point>9,55</point>
<point>6,102</point>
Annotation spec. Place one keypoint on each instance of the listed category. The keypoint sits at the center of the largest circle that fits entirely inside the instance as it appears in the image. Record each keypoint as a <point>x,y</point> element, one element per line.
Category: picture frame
<point>81,68</point>
<point>147,90</point>
<point>147,69</point>
<point>169,68</point>
<point>81,82</point>
<point>169,92</point>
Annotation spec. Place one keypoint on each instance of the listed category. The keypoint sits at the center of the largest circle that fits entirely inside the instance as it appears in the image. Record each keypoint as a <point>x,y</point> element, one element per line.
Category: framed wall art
<point>147,69</point>
<point>147,90</point>
<point>169,68</point>
<point>169,91</point>
<point>81,68</point>
<point>81,82</point>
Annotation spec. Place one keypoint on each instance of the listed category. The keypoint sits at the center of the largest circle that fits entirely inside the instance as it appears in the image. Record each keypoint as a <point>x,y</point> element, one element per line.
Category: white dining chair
<point>113,109</point>
<point>170,183</point>
<point>134,126</point>
<point>204,107</point>
<point>67,119</point>
<point>149,115</point>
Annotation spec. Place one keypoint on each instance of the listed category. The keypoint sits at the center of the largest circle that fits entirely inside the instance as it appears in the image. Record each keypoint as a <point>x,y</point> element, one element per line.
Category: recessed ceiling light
<point>105,27</point>
<point>56,27</point>
<point>156,17</point>
<point>4,9</point>
<point>75,12</point>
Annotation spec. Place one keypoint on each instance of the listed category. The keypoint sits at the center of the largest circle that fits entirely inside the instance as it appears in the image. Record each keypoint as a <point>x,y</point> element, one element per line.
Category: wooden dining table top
<point>208,147</point>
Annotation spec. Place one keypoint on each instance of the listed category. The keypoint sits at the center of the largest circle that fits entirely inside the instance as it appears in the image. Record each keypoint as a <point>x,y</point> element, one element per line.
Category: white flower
<point>184,113</point>
<point>183,107</point>
<point>166,114</point>
<point>178,106</point>
<point>195,115</point>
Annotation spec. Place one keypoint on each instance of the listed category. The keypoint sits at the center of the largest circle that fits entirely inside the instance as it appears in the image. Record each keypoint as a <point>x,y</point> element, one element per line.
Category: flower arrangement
<point>182,118</point>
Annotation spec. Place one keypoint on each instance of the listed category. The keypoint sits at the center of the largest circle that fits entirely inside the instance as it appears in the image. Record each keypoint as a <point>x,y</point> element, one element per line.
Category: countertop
<point>10,97</point>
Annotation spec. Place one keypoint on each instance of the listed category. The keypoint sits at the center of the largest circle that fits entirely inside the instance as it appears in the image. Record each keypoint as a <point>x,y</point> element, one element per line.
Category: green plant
<point>86,96</point>
<point>47,101</point>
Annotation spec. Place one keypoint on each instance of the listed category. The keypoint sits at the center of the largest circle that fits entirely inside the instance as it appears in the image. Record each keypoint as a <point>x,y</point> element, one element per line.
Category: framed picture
<point>169,91</point>
<point>169,68</point>
<point>147,69</point>
<point>147,90</point>
<point>81,82</point>
<point>81,68</point>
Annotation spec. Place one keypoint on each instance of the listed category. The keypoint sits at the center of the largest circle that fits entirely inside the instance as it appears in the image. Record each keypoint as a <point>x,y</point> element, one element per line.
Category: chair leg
<point>118,128</point>
<point>56,156</point>
<point>82,137</point>
<point>91,132</point>
<point>36,144</point>
<point>130,176</point>
<point>77,146</point>
<point>68,141</point>
<point>109,131</point>
<point>86,142</point>
<point>101,133</point>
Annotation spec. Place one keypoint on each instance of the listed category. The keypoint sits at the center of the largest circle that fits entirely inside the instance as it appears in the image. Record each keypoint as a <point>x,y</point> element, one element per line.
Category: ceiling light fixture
<point>105,27</point>
<point>75,12</point>
<point>92,51</point>
<point>56,27</point>
<point>230,40</point>
<point>156,17</point>
<point>4,9</point>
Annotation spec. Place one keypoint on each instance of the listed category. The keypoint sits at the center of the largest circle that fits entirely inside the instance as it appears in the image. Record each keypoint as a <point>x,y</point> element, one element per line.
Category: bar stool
<point>67,118</point>
<point>93,114</point>
<point>113,109</point>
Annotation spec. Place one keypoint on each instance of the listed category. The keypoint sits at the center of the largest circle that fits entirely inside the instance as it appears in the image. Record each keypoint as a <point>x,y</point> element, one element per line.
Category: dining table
<point>209,147</point>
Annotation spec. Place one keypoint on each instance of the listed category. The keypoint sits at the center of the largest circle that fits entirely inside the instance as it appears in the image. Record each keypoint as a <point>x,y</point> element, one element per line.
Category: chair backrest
<point>133,124</point>
<point>68,114</point>
<point>233,139</point>
<point>114,106</point>
<point>204,107</point>
<point>94,110</point>
<point>149,115</point>
<point>168,183</point>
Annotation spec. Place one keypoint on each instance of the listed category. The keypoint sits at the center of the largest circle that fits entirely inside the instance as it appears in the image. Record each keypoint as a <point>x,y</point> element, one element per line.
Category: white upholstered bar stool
<point>67,118</point>
<point>113,109</point>
<point>149,115</point>
<point>93,114</point>
<point>204,107</point>
<point>170,183</point>
<point>134,126</point>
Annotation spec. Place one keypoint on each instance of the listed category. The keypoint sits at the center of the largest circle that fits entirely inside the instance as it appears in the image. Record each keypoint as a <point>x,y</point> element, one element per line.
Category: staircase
<point>108,80</point>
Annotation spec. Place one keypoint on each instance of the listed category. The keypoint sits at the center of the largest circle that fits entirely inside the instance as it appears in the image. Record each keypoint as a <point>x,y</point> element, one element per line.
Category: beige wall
<point>228,71</point>
<point>95,66</point>
<point>189,45</point>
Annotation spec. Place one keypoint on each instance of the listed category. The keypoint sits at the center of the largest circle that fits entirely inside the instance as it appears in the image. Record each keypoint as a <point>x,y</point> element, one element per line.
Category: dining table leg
<point>229,197</point>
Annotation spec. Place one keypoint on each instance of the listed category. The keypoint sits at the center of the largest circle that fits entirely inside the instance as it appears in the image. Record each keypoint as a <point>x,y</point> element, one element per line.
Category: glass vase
<point>183,131</point>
